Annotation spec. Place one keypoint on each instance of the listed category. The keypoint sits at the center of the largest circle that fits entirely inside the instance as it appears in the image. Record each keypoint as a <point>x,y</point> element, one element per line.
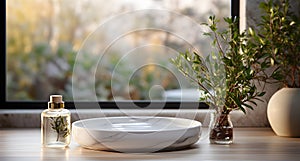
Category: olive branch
<point>60,125</point>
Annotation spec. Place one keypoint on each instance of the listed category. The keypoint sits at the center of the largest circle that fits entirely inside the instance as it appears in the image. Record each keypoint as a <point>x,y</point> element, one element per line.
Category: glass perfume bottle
<point>55,124</point>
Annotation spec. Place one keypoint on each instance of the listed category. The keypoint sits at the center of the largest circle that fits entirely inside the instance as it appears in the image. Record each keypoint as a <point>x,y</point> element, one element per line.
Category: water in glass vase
<point>221,130</point>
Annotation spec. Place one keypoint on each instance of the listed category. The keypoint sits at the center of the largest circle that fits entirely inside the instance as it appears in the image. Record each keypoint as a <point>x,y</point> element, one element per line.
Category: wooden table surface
<point>249,144</point>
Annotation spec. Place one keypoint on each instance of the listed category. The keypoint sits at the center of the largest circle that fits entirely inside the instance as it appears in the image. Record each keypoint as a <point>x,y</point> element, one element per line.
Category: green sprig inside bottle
<point>60,125</point>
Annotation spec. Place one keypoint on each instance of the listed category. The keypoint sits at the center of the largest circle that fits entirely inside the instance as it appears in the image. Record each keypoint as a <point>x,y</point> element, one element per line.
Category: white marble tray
<point>136,134</point>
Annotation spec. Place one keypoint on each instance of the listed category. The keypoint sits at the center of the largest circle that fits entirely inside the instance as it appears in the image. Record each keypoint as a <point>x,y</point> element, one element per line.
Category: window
<point>109,52</point>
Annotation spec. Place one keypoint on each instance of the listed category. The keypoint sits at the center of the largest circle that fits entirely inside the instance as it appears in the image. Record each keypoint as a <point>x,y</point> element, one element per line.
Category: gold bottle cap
<point>56,102</point>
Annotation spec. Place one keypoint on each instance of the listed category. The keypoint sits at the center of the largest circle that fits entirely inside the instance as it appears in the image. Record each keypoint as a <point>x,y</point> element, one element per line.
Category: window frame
<point>4,104</point>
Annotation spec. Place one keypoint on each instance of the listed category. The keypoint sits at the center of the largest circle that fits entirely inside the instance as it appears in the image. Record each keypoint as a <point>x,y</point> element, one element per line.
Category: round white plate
<point>136,134</point>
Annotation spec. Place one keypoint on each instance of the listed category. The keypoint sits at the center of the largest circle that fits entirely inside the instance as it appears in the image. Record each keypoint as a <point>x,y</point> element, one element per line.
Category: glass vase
<point>221,130</point>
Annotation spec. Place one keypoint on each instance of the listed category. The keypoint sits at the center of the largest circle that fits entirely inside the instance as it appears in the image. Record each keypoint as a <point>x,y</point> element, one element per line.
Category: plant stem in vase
<point>228,75</point>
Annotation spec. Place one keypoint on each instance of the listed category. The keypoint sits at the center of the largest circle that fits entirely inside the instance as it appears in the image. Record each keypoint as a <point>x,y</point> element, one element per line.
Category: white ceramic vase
<point>284,112</point>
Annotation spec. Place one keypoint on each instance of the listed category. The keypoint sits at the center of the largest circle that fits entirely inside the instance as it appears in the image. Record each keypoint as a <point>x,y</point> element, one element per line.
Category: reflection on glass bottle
<point>55,125</point>
<point>221,129</point>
